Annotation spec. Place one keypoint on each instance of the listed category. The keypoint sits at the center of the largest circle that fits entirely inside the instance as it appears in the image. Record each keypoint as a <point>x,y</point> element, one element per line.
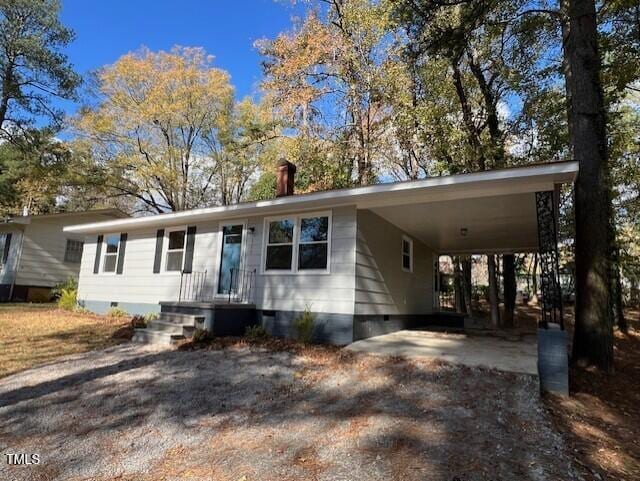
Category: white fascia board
<point>478,184</point>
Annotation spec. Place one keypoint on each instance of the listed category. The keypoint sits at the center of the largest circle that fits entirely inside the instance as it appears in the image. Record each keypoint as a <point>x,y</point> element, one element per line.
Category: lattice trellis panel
<point>549,263</point>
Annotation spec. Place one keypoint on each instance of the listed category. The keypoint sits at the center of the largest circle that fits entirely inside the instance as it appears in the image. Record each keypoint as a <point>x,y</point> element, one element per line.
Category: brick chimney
<point>285,175</point>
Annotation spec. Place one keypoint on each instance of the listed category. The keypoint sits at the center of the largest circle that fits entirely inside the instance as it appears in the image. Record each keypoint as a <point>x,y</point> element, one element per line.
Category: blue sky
<point>227,29</point>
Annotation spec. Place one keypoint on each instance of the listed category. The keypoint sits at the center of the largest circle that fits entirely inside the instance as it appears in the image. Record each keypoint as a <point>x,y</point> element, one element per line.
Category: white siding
<point>332,293</point>
<point>42,258</point>
<point>138,283</point>
<point>382,287</point>
<point>7,272</point>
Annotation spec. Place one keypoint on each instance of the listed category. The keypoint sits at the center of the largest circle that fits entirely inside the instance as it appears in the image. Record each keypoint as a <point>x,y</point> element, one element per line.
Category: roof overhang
<point>28,219</point>
<point>492,183</point>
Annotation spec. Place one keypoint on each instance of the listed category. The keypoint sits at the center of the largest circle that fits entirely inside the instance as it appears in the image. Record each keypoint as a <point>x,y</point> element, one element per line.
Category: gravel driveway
<point>243,414</point>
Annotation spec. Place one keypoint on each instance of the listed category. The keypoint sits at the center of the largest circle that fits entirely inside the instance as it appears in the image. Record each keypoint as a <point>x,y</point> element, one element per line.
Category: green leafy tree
<point>33,68</point>
<point>33,171</point>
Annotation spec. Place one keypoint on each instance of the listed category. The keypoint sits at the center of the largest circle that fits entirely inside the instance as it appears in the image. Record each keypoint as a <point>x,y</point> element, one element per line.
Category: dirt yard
<point>32,334</point>
<point>250,413</point>
<point>601,419</point>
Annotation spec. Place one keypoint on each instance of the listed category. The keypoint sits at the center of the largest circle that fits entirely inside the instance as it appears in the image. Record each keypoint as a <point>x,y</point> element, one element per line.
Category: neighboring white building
<point>362,260</point>
<point>35,254</point>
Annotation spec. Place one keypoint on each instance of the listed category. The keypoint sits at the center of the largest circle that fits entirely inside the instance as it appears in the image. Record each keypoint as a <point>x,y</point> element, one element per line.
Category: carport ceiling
<point>505,223</point>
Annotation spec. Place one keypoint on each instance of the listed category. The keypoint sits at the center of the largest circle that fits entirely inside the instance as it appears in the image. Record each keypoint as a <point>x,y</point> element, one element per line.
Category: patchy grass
<point>601,418</point>
<point>32,334</point>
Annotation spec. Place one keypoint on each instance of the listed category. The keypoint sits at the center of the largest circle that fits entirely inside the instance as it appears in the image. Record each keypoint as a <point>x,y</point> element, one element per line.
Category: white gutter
<point>543,176</point>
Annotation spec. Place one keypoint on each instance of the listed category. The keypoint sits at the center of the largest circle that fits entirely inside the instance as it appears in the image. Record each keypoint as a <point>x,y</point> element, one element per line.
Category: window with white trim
<point>111,248</point>
<point>407,254</point>
<point>174,257</point>
<point>73,251</point>
<point>313,248</point>
<point>297,243</point>
<point>279,250</point>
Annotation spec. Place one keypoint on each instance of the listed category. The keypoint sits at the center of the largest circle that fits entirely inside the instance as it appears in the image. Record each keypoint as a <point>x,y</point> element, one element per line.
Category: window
<point>175,250</point>
<point>297,243</point>
<point>3,240</point>
<point>280,245</point>
<point>112,243</point>
<point>73,251</point>
<point>313,248</point>
<point>407,254</point>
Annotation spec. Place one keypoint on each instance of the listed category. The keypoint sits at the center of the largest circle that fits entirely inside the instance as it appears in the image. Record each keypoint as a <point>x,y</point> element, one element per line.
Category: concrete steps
<point>168,329</point>
<point>147,336</point>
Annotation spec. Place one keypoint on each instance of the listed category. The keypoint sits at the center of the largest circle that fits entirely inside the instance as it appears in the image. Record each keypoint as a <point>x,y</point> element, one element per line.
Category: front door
<point>230,257</point>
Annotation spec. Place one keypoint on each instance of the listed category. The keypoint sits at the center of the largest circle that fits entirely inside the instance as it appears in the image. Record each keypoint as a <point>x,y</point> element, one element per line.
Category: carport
<point>512,210</point>
<point>505,211</point>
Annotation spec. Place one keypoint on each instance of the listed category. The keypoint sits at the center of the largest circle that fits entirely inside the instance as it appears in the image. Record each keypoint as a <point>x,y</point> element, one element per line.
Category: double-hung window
<point>407,254</point>
<point>279,251</point>
<point>112,245</point>
<point>73,251</point>
<point>313,248</point>
<point>175,250</point>
<point>297,243</point>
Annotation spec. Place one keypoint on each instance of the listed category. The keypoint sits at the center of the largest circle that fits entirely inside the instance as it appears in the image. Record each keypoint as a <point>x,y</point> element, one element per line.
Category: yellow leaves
<point>148,87</point>
<point>154,113</point>
<point>168,132</point>
<point>296,62</point>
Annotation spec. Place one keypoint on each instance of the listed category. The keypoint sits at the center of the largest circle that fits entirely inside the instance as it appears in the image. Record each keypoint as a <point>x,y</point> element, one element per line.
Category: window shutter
<point>121,250</point>
<point>158,259</point>
<point>96,262</point>
<point>188,255</point>
<point>7,246</point>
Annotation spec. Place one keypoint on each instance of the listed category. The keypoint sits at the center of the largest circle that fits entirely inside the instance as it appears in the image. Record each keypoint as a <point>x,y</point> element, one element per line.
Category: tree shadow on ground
<point>303,413</point>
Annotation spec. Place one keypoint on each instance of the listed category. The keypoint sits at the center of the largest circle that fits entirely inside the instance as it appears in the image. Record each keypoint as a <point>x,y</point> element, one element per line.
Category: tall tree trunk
<point>593,335</point>
<point>621,321</point>
<point>473,136</point>
<point>457,285</point>
<point>509,280</point>
<point>534,295</point>
<point>466,284</point>
<point>494,306</point>
<point>529,264</point>
<point>618,305</point>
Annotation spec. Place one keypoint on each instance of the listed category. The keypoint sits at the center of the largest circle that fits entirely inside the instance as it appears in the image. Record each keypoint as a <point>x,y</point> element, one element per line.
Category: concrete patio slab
<point>475,350</point>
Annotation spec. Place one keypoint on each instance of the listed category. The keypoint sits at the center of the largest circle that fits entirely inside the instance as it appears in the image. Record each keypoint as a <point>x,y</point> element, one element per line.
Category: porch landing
<point>469,349</point>
<point>221,318</point>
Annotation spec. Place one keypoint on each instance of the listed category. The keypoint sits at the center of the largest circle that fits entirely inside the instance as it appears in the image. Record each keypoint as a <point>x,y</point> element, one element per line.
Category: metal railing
<point>241,285</point>
<point>192,286</point>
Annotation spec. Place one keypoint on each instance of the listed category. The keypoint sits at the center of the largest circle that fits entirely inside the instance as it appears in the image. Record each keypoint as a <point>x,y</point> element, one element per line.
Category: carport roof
<point>511,182</point>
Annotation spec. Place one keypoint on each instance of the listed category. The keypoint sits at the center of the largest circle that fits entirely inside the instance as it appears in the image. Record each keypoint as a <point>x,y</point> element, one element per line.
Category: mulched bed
<point>601,419</point>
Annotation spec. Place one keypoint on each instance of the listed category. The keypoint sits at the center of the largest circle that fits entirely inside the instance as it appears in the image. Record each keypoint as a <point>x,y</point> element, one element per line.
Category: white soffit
<point>434,189</point>
<point>504,223</point>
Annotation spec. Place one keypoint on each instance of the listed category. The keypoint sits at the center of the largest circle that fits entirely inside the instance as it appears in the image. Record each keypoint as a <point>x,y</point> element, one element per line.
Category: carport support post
<point>553,362</point>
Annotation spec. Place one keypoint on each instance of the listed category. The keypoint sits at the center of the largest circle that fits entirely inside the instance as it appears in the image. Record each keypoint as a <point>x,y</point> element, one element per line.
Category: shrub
<point>200,335</point>
<point>68,299</point>
<point>82,310</point>
<point>151,316</point>
<point>255,332</point>
<point>116,312</point>
<point>304,326</point>
<point>138,322</point>
<point>70,284</point>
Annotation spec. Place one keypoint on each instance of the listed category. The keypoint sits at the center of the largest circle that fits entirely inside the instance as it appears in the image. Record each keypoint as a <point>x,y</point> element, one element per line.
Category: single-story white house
<point>35,254</point>
<point>363,260</point>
